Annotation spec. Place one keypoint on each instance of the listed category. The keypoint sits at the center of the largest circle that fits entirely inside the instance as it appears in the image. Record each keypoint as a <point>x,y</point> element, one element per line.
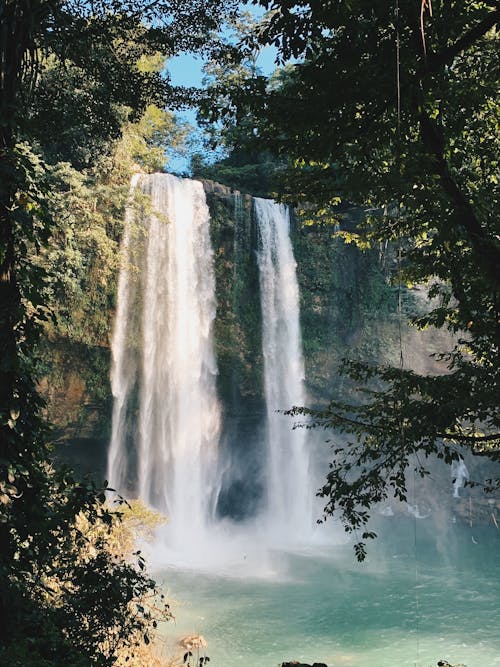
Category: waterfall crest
<point>289,504</point>
<point>166,412</point>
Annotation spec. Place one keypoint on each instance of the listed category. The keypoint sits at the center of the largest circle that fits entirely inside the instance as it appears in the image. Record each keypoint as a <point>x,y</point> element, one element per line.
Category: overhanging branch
<point>485,248</point>
<point>447,55</point>
<point>470,438</point>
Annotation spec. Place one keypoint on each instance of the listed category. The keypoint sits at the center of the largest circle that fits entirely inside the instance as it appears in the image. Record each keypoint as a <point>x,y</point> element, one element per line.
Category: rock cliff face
<point>348,309</point>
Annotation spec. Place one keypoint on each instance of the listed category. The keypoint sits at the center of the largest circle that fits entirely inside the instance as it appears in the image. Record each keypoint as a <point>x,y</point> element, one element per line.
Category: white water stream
<point>289,489</point>
<point>163,349</point>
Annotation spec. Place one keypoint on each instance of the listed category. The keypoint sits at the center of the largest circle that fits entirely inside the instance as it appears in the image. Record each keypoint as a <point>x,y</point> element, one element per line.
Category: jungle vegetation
<point>384,105</point>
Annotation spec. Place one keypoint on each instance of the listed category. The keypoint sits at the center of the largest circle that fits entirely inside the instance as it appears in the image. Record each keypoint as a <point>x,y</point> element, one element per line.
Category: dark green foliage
<point>92,75</point>
<point>252,173</point>
<point>420,143</point>
<point>67,597</point>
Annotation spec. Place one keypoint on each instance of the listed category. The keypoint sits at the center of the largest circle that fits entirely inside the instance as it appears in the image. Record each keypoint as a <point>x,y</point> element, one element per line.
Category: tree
<point>396,111</point>
<point>87,207</point>
<point>226,161</point>
<point>71,75</point>
<point>77,593</point>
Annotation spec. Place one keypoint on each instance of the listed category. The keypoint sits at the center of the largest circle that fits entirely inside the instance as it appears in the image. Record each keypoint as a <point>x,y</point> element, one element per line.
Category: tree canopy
<point>395,109</point>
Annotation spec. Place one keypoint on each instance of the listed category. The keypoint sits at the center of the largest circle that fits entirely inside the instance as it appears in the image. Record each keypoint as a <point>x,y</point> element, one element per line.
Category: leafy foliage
<point>370,114</point>
<point>228,159</point>
<point>87,207</point>
<point>77,579</point>
<point>255,173</point>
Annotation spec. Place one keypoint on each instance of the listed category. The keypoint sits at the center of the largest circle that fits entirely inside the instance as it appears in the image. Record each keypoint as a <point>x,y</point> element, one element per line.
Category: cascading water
<point>289,504</point>
<point>123,359</point>
<point>164,368</point>
<point>165,432</point>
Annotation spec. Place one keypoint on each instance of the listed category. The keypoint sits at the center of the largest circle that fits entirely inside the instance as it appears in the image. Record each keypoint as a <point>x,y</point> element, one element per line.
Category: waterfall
<point>289,502</point>
<point>123,358</point>
<point>166,412</point>
<point>460,475</point>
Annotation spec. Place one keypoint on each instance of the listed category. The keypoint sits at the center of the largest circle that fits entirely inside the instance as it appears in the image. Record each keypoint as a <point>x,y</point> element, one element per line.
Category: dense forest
<point>387,111</point>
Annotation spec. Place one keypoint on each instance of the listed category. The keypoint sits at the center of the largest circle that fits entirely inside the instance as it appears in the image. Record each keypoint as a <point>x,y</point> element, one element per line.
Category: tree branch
<point>446,56</point>
<point>470,438</point>
<point>484,247</point>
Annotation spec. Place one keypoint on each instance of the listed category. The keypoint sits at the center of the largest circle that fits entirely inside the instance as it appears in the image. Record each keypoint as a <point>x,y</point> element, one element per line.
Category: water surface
<point>413,602</point>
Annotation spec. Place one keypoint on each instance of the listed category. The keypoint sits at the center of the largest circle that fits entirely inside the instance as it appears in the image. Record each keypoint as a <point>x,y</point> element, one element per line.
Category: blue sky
<point>186,70</point>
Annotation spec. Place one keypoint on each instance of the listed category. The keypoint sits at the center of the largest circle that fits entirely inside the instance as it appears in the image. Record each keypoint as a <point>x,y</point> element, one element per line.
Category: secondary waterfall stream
<point>288,482</point>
